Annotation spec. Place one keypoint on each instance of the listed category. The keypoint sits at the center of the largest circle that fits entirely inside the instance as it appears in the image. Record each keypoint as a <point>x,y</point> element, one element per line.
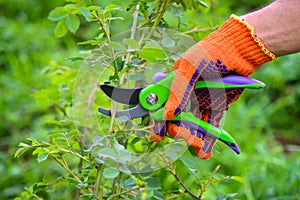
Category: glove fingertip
<point>156,138</point>
<point>202,155</point>
<point>171,110</point>
<point>158,131</point>
<point>177,64</point>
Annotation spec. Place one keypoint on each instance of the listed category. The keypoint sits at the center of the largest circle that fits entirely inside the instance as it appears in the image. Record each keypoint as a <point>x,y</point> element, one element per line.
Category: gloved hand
<point>206,104</point>
<point>232,49</point>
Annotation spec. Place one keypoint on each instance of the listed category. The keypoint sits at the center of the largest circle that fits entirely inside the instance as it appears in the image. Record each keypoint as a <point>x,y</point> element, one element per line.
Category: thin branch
<point>72,152</point>
<point>127,58</point>
<point>173,172</point>
<point>124,192</point>
<point>79,171</point>
<point>158,19</point>
<point>61,109</point>
<point>81,140</point>
<point>103,26</point>
<point>134,23</point>
<point>107,34</point>
<point>90,100</point>
<point>186,190</point>
<point>208,181</point>
<point>98,191</point>
<point>200,30</point>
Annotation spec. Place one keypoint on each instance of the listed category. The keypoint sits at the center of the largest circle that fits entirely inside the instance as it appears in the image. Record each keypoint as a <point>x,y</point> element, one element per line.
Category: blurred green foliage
<point>36,83</point>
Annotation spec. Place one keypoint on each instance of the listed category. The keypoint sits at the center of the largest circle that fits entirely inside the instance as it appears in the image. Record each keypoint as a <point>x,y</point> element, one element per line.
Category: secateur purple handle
<point>230,81</point>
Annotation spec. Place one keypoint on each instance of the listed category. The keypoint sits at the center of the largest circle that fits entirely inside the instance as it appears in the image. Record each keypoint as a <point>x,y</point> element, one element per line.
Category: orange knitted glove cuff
<point>237,46</point>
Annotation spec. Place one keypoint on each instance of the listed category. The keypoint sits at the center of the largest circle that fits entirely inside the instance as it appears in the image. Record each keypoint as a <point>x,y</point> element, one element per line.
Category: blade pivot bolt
<point>151,99</point>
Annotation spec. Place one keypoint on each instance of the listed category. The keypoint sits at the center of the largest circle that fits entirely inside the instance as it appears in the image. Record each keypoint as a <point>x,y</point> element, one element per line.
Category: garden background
<point>39,62</point>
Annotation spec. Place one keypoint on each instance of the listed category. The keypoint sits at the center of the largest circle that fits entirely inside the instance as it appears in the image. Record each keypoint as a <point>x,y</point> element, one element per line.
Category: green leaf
<point>22,150</point>
<point>57,14</point>
<point>72,23</point>
<point>237,178</point>
<point>174,150</point>
<point>96,9</point>
<point>60,29</point>
<point>153,183</point>
<point>42,157</point>
<point>112,7</point>
<point>189,162</point>
<point>137,76</point>
<point>149,194</point>
<point>70,7</point>
<point>157,195</point>
<point>110,172</point>
<point>113,18</point>
<point>118,147</point>
<point>152,53</point>
<point>76,58</point>
<point>172,155</point>
<point>129,183</point>
<point>132,43</point>
<point>122,119</point>
<point>117,46</point>
<point>97,41</point>
<point>226,196</point>
<point>177,147</point>
<point>203,3</point>
<point>168,42</point>
<point>85,12</point>
<point>125,156</point>
<point>125,170</point>
<point>107,153</point>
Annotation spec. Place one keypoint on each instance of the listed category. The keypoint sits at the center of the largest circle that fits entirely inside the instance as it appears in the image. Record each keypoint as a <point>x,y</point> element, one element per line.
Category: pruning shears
<point>149,100</point>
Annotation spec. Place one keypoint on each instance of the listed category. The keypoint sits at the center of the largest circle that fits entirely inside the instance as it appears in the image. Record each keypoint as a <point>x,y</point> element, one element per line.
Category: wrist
<point>277,26</point>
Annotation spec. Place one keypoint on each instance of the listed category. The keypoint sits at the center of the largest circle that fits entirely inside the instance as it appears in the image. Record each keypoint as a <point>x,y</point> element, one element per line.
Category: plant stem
<point>124,192</point>
<point>118,188</point>
<point>34,195</point>
<point>107,34</point>
<point>200,30</point>
<point>66,166</point>
<point>61,109</point>
<point>208,181</point>
<point>73,153</point>
<point>90,100</point>
<point>173,172</point>
<point>61,161</point>
<point>132,36</point>
<point>98,191</point>
<point>127,58</point>
<point>158,19</point>
<point>79,168</point>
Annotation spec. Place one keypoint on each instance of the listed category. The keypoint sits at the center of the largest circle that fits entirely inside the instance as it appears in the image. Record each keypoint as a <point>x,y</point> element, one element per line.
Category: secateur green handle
<point>161,90</point>
<point>189,117</point>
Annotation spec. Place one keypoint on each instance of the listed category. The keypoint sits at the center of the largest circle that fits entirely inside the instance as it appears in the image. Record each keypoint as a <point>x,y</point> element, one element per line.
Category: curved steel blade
<point>135,112</point>
<point>122,95</point>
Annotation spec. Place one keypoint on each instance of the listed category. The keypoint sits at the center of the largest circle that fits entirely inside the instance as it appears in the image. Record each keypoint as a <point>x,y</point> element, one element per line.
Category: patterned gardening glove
<point>208,105</point>
<point>232,49</point>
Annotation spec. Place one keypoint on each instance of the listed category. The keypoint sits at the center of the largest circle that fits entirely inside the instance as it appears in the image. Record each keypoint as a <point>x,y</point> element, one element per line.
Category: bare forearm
<point>278,26</point>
